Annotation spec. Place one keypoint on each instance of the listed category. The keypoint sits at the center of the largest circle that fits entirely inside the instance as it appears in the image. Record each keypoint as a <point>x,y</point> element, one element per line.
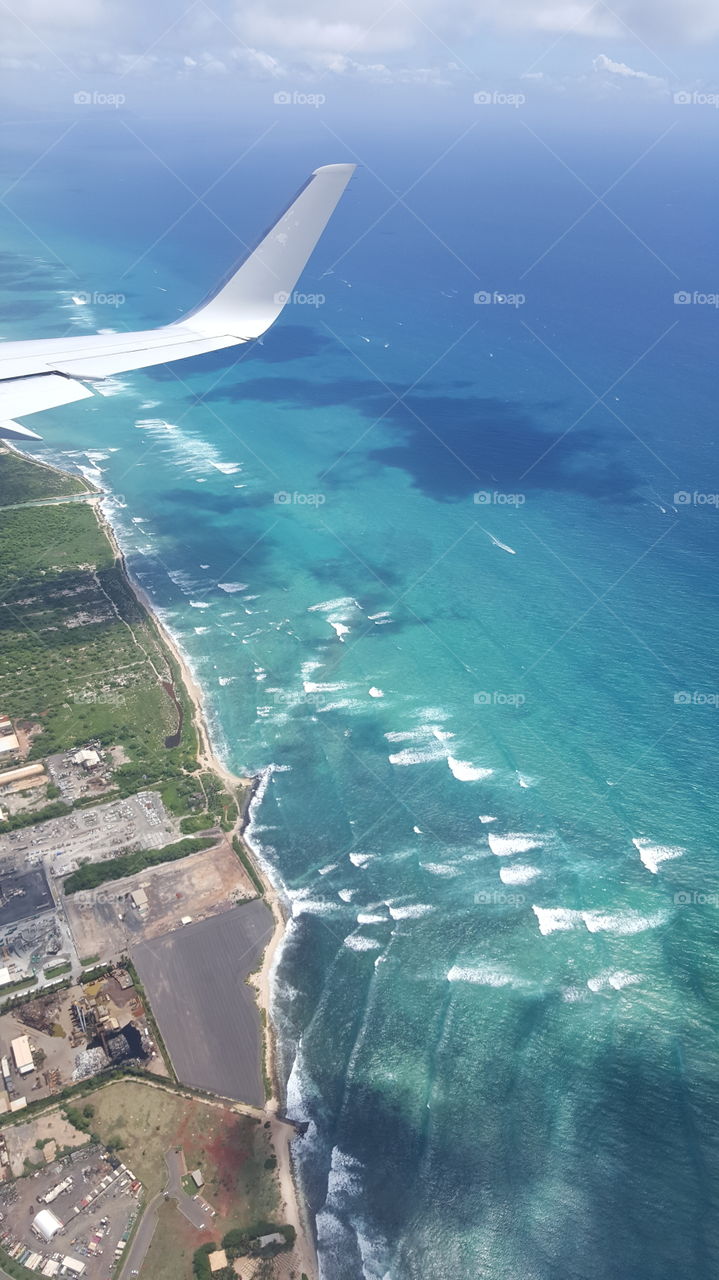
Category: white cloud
<point>603,63</point>
<point>374,39</point>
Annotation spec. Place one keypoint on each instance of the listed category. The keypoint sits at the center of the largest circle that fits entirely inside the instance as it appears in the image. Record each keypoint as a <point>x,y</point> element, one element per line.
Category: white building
<point>46,1224</point>
<point>22,1054</point>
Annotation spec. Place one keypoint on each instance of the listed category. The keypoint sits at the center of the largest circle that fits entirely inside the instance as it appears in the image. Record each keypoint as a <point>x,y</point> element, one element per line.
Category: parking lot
<point>90,1236</point>
<point>92,835</point>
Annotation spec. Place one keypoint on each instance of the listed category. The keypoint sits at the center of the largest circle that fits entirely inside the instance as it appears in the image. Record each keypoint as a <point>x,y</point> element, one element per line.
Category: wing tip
<point>341,170</point>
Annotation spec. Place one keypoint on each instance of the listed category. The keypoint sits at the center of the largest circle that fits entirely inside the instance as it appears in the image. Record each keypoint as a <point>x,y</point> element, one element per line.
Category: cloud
<point>372,39</point>
<point>603,63</point>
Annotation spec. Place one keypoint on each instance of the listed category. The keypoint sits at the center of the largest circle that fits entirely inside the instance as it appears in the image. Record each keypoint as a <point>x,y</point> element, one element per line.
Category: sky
<point>566,49</point>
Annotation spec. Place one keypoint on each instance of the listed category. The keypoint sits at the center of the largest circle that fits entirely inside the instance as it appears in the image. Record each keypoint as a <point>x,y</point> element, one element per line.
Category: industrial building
<point>9,745</point>
<point>22,1054</point>
<point>46,1224</point>
<point>25,775</point>
<point>88,758</point>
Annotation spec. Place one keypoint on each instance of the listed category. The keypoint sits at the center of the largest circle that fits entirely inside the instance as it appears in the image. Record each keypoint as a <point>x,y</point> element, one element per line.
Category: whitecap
<point>518,873</point>
<point>484,975</point>
<point>622,922</point>
<point>356,942</point>
<point>652,855</point>
<point>513,842</point>
<point>331,606</point>
<point>411,911</point>
<point>375,692</point>
<point>556,919</point>
<point>310,686</point>
<point>361,859</point>
<point>231,587</point>
<point>617,979</point>
<point>199,604</point>
<point>487,817</point>
<point>465,772</point>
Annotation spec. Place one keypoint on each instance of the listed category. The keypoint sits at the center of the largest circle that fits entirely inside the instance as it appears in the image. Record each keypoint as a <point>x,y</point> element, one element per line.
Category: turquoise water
<point>493,817</point>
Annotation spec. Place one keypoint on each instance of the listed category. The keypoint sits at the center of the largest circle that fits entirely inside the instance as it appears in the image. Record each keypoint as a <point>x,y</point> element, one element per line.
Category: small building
<point>18,1104</point>
<point>5,977</point>
<point>87,758</point>
<point>9,745</point>
<point>276,1237</point>
<point>46,1224</point>
<point>73,1267</point>
<point>197,1178</point>
<point>217,1260</point>
<point>22,1054</point>
<point>186,920</point>
<point>51,1268</point>
<point>139,899</point>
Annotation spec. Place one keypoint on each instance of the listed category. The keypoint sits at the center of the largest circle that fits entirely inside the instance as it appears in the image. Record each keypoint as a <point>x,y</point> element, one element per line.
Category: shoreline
<point>244,790</point>
<point>282,1130</point>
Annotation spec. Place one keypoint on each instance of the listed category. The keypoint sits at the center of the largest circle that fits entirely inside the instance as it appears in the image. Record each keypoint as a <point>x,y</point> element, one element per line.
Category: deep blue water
<point>497,1000</point>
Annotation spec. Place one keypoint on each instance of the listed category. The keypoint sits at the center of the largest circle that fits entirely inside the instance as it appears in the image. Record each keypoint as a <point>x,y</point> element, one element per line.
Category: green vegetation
<point>23,480</point>
<point>82,660</point>
<point>127,864</point>
<point>242,1242</point>
<point>56,970</point>
<point>87,961</point>
<point>200,1263</point>
<point>244,858</point>
<point>17,986</point>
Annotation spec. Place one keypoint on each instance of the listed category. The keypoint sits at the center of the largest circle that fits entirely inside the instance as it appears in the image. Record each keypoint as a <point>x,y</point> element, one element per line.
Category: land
<point>204,967</point>
<point>121,846</point>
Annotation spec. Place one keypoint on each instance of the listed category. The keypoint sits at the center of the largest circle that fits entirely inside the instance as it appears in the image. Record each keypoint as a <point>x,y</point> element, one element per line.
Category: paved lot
<point>104,831</point>
<point>196,982</point>
<point>89,1236</point>
<point>23,895</point>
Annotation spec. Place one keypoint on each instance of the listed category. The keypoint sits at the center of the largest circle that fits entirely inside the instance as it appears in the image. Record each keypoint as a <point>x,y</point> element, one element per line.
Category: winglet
<point>252,296</point>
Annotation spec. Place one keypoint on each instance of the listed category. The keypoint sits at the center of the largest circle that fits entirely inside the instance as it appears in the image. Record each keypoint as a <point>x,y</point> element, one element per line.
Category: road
<point>174,1190</point>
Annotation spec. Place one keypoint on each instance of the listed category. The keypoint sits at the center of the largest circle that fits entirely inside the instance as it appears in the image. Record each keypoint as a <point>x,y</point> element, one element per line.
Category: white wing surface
<point>43,373</point>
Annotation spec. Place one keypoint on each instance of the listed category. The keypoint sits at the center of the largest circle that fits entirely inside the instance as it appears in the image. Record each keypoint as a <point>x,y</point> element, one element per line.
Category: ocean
<point>445,570</point>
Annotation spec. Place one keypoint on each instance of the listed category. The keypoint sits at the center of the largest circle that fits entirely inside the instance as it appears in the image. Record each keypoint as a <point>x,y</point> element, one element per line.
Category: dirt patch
<point>106,923</point>
<point>21,1139</point>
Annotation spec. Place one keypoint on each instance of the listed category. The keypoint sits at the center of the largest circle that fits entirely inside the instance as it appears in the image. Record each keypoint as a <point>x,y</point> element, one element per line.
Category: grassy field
<point>229,1148</point>
<point>24,481</point>
<point>80,658</point>
<point>233,1151</point>
<point>174,1242</point>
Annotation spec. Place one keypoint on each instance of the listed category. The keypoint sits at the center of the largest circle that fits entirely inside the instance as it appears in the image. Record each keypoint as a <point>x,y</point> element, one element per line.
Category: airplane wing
<point>41,374</point>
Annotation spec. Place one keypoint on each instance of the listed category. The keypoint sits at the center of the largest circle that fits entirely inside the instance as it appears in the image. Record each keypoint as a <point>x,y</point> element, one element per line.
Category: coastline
<point>282,1130</point>
<point>246,790</point>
